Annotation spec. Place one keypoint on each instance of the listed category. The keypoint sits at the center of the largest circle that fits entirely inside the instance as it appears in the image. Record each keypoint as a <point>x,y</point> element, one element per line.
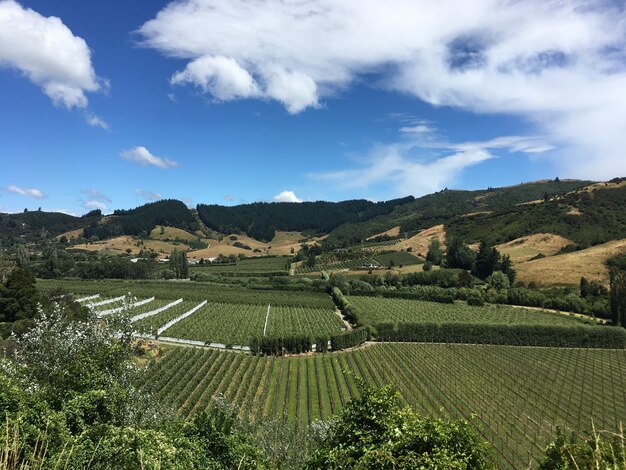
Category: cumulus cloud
<point>96,121</point>
<point>143,156</point>
<point>421,167</point>
<point>93,204</point>
<point>29,192</point>
<point>560,65</point>
<point>48,53</point>
<point>229,198</point>
<point>148,195</point>
<point>286,196</point>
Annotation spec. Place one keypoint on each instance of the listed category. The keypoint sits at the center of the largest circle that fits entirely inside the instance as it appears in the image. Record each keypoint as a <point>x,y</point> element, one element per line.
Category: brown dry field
<point>569,267</point>
<point>392,232</point>
<point>419,243</point>
<point>522,249</point>
<point>119,245</point>
<point>172,233</point>
<point>71,234</point>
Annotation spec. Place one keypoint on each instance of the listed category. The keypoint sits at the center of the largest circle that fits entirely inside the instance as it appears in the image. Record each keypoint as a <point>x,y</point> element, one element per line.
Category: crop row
<point>190,291</point>
<point>237,323</point>
<point>515,397</point>
<point>151,324</point>
<point>377,309</point>
<point>359,263</point>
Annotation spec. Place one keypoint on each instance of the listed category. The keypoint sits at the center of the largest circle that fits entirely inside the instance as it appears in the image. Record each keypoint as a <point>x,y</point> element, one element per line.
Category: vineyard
<point>376,309</point>
<point>260,265</point>
<point>191,291</point>
<point>238,323</point>
<point>352,264</point>
<point>514,396</point>
<point>150,325</point>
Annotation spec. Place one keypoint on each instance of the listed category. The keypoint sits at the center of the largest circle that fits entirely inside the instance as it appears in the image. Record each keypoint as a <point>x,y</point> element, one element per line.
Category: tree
<point>434,254</point>
<point>506,266</point>
<point>18,296</point>
<point>22,257</point>
<point>498,280</point>
<point>618,297</point>
<point>585,287</point>
<point>374,432</point>
<point>487,261</point>
<point>459,255</point>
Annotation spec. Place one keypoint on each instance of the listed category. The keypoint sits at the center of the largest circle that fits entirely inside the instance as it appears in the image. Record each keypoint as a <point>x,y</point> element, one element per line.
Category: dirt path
<point>344,321</point>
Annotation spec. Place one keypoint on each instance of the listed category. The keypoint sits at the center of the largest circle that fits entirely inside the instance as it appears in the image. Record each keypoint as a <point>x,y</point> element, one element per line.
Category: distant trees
<point>18,296</point>
<point>487,261</point>
<point>459,255</point>
<point>618,297</point>
<point>179,264</point>
<point>434,254</point>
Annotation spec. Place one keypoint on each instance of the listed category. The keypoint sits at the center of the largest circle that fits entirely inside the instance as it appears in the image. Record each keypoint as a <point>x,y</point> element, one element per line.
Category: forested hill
<point>585,212</point>
<point>441,207</point>
<point>260,220</point>
<point>32,225</point>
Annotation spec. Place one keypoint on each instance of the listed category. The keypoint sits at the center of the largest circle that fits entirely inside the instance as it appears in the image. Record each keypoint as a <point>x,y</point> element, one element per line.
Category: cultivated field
<point>515,396</point>
<point>377,309</point>
<point>238,323</point>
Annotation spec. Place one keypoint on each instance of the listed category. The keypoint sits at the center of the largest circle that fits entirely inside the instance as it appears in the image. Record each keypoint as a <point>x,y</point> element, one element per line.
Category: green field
<point>191,291</point>
<point>515,396</point>
<point>358,263</point>
<point>237,323</point>
<point>377,309</point>
<point>259,266</point>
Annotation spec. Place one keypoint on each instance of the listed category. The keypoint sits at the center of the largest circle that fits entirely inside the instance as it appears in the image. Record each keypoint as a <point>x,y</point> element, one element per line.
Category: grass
<point>525,248</point>
<point>377,310</point>
<point>569,267</point>
<point>171,233</point>
<point>515,397</point>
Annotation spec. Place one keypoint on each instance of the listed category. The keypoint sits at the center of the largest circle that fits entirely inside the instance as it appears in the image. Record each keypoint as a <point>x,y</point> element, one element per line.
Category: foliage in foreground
<point>600,450</point>
<point>374,432</point>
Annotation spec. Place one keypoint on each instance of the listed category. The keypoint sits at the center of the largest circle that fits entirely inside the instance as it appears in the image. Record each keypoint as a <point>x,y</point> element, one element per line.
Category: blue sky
<point>113,104</point>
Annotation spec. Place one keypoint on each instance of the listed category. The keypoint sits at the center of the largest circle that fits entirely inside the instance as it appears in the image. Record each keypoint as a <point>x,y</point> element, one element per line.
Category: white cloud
<point>93,204</point>
<point>220,76</point>
<point>96,121</point>
<point>143,156</point>
<point>149,195</point>
<point>48,53</point>
<point>29,192</point>
<point>558,64</point>
<point>422,167</point>
<point>96,195</point>
<point>229,198</point>
<point>286,196</point>
<point>416,129</point>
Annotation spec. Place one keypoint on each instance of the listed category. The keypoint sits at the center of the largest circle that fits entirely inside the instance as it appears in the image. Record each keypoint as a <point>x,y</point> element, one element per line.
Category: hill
<point>441,207</point>
<point>261,220</point>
